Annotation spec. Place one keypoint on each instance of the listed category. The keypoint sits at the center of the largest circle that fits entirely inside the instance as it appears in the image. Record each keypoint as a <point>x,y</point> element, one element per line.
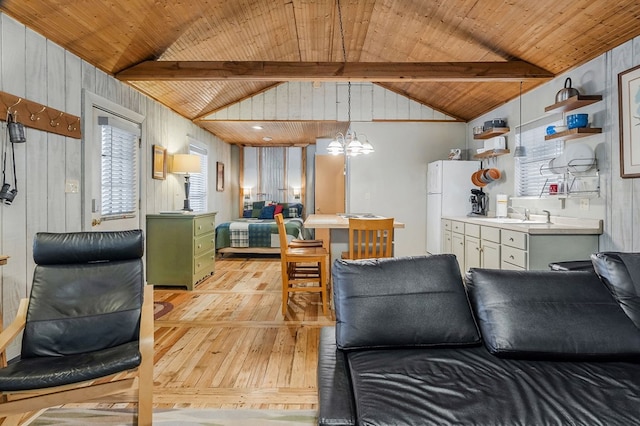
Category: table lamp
<point>185,164</point>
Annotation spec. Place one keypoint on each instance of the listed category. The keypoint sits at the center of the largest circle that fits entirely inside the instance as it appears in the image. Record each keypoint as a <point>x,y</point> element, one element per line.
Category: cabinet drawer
<point>457,227</point>
<point>490,233</point>
<point>446,224</point>
<point>203,243</point>
<point>204,224</point>
<point>514,256</point>
<point>472,230</point>
<point>204,261</point>
<point>514,239</point>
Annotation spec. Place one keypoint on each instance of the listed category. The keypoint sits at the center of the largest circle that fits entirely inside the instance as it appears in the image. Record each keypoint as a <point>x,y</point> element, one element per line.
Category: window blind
<point>530,175</point>
<point>198,188</point>
<point>119,175</point>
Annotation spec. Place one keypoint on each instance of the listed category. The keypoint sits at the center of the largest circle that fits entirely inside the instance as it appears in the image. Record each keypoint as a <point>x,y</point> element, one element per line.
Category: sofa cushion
<point>621,273</point>
<point>550,314</point>
<point>404,302</point>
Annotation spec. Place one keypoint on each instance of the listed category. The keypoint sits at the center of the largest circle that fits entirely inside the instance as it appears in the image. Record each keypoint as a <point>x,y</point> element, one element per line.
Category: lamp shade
<point>185,163</point>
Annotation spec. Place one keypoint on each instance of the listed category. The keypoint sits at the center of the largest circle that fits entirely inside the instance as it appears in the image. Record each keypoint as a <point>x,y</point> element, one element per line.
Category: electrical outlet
<point>584,204</point>
<point>72,186</point>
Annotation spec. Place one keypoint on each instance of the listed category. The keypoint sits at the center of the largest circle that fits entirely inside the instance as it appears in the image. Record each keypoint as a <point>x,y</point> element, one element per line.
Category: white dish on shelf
<point>579,157</point>
<point>555,166</point>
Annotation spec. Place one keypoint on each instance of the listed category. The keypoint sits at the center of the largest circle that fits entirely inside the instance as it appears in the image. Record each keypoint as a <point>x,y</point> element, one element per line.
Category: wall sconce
<point>185,164</point>
<point>296,193</point>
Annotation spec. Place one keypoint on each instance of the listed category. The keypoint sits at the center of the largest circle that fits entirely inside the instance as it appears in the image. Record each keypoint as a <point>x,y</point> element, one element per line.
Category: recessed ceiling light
<point>257,127</point>
<point>267,139</point>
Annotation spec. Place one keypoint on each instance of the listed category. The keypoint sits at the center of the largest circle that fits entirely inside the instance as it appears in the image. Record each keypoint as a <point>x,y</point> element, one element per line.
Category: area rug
<point>161,308</point>
<point>177,417</point>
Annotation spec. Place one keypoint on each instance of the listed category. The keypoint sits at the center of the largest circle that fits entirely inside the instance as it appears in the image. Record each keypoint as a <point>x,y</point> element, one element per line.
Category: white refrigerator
<point>448,192</point>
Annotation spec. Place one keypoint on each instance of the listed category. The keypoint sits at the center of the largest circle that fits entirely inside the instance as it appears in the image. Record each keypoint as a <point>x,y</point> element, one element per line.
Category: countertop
<point>335,221</point>
<point>559,225</point>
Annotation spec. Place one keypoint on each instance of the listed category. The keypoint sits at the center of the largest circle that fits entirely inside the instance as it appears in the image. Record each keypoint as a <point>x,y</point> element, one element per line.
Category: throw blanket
<point>239,234</point>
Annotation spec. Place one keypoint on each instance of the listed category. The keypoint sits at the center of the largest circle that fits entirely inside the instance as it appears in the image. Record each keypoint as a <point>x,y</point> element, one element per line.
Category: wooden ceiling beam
<point>333,71</point>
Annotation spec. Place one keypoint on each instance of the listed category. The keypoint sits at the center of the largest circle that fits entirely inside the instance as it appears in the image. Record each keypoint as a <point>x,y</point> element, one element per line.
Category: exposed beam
<point>333,71</point>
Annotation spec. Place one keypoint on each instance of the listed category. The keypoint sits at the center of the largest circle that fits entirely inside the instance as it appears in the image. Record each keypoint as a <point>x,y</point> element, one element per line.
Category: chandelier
<point>349,144</point>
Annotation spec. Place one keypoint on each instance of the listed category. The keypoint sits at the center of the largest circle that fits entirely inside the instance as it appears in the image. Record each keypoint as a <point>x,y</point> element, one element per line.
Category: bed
<point>258,233</point>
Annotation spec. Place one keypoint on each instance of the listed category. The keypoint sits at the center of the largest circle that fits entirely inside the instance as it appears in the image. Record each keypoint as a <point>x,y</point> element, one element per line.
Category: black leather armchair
<point>89,316</point>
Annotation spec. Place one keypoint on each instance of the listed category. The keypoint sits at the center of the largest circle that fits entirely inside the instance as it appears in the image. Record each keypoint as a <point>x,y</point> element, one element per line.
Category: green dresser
<point>180,248</point>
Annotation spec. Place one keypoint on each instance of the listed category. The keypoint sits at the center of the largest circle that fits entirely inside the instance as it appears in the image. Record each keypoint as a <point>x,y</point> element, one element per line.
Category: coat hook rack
<point>22,111</point>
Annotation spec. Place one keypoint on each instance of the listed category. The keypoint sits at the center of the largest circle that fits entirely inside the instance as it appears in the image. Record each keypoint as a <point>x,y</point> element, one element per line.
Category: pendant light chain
<point>344,57</point>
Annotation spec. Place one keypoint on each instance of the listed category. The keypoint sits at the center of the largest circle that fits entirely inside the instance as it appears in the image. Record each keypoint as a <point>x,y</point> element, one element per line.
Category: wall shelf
<point>490,133</point>
<point>573,102</point>
<point>491,154</point>
<point>579,132</point>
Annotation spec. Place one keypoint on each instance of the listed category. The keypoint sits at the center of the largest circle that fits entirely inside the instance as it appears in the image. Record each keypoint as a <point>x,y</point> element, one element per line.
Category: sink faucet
<point>548,213</point>
<point>524,212</point>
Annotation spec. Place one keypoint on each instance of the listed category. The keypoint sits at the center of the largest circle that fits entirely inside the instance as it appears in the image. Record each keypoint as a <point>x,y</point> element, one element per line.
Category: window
<point>530,171</point>
<point>198,188</point>
<point>119,177</point>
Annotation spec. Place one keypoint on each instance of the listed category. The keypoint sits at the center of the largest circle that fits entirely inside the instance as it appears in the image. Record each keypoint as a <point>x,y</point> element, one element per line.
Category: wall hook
<point>71,126</point>
<point>54,121</point>
<point>15,111</point>
<point>34,115</point>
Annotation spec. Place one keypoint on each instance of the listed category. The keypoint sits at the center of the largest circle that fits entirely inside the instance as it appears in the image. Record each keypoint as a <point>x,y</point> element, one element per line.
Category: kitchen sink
<point>513,220</point>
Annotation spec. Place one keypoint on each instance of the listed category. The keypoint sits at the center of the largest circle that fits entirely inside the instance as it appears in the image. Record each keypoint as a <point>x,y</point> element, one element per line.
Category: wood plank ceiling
<point>120,36</point>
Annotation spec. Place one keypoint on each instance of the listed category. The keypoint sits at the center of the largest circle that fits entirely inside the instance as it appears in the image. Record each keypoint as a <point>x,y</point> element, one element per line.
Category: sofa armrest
<point>335,399</point>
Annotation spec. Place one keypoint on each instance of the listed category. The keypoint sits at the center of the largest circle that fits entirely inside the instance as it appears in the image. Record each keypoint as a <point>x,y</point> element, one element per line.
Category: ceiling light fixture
<point>348,144</point>
<point>256,127</point>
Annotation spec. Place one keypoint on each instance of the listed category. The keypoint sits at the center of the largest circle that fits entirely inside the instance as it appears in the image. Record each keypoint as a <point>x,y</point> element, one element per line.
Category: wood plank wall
<point>33,67</point>
<point>328,101</point>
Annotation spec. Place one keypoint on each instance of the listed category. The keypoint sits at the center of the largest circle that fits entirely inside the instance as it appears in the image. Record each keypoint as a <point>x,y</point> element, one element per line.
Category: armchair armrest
<point>10,333</point>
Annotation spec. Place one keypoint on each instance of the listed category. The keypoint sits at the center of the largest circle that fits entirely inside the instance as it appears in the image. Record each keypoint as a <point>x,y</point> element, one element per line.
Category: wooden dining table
<point>325,224</point>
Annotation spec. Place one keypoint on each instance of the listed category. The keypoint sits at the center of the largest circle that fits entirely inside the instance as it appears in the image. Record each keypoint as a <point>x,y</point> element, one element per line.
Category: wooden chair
<point>301,266</point>
<point>88,319</point>
<point>370,238</point>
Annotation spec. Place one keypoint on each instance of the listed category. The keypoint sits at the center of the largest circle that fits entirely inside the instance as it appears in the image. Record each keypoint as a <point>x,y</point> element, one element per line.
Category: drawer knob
<point>511,257</point>
<point>510,238</point>
<point>199,245</point>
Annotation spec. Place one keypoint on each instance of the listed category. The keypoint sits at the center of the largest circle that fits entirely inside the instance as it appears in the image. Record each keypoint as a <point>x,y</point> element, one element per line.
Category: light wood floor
<point>226,344</point>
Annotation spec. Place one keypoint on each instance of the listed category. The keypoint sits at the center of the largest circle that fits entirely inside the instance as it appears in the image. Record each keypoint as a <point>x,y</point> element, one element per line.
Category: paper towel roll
<point>502,209</point>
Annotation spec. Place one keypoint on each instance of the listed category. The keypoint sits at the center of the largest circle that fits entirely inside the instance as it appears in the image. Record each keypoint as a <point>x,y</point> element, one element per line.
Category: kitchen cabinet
<point>446,236</point>
<point>457,243</point>
<point>494,247</point>
<point>180,249</point>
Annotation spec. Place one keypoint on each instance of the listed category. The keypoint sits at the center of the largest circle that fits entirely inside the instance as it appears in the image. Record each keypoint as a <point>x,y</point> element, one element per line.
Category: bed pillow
<point>621,273</point>
<point>267,212</point>
<point>247,213</point>
<point>550,315</point>
<point>257,208</point>
<point>401,302</point>
<point>285,209</point>
<point>278,209</point>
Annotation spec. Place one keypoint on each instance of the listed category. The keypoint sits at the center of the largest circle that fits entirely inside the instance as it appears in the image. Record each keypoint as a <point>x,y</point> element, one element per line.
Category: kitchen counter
<point>559,225</point>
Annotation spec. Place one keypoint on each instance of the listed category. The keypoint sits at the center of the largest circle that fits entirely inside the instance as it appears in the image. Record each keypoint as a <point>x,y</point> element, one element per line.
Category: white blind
<point>198,189</point>
<point>529,179</point>
<point>272,173</point>
<point>119,172</point>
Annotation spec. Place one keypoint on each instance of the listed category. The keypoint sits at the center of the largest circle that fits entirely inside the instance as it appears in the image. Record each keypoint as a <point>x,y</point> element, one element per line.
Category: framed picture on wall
<point>629,103</point>
<point>159,162</point>
<point>219,176</point>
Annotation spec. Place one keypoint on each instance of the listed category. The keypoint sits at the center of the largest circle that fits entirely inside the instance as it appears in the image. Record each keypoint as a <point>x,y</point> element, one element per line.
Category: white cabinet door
<point>446,241</point>
<point>457,248</point>
<point>471,253</point>
<point>490,255</point>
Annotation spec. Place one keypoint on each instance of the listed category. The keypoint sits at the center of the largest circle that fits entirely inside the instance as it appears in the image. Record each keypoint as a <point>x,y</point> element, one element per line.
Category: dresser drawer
<point>514,239</point>
<point>204,224</point>
<point>204,261</point>
<point>514,257</point>
<point>446,224</point>
<point>204,243</point>
<point>490,233</point>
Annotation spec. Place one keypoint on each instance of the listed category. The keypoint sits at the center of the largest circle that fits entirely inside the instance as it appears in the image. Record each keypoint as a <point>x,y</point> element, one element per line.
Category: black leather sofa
<point>413,345</point>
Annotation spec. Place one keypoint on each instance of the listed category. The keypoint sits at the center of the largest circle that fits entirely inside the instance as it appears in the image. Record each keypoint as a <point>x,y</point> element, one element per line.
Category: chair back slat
<point>370,238</point>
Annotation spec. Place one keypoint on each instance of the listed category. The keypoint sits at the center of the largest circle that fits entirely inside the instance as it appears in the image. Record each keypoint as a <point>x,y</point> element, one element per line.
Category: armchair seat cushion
<point>46,372</point>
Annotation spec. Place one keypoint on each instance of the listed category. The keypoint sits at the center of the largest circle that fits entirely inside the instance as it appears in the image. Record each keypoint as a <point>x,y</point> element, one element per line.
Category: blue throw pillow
<point>267,212</point>
<point>247,213</point>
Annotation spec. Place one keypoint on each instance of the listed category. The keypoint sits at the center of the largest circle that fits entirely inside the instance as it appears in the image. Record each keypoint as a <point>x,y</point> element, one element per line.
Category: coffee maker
<point>479,202</point>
